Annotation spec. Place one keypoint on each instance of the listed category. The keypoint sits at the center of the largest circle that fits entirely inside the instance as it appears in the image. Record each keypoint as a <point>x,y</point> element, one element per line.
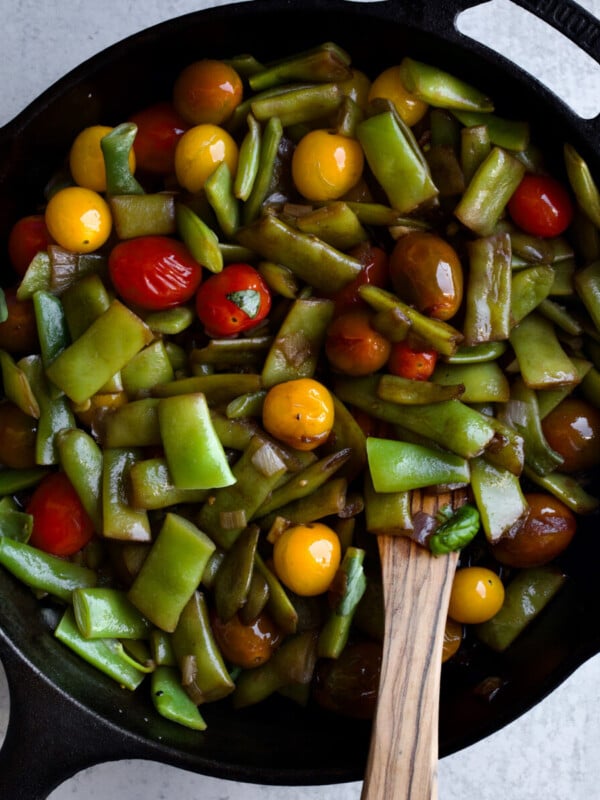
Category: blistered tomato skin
<point>246,646</point>
<point>477,595</point>
<point>28,236</point>
<point>159,128</point>
<point>353,347</point>
<point>541,206</point>
<point>306,558</point>
<point>326,165</point>
<point>545,533</point>
<point>426,272</point>
<point>200,151</point>
<point>207,91</point>
<point>234,300</point>
<point>572,429</point>
<point>154,272</point>
<point>78,219</point>
<point>299,412</point>
<point>388,85</point>
<point>61,526</point>
<point>411,360</point>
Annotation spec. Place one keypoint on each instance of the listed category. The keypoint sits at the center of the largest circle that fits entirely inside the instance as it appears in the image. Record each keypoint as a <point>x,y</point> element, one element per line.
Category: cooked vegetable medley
<point>283,311</point>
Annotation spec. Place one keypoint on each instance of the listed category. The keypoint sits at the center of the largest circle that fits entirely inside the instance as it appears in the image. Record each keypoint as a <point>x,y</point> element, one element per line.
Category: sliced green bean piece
<point>498,496</point>
<point>335,223</point>
<point>489,290</point>
<point>200,240</point>
<point>587,284</point>
<point>103,612</point>
<point>172,701</point>
<point>204,674</point>
<point>508,133</point>
<point>269,148</point>
<point>17,386</point>
<point>477,353</point>
<point>529,287</point>
<point>548,399</point>
<point>106,655</point>
<point>120,520</point>
<point>14,480</point>
<point>441,89</point>
<point>295,349</point>
<point>542,360</point>
<point>336,630</point>
<point>321,64</point>
<point>279,605</point>
<point>68,268</point>
<point>396,389</point>
<point>81,459</point>
<point>116,147</point>
<point>134,424</point>
<point>171,321</point>
<point>42,571</point>
<point>151,486</point>
<point>313,261</point>
<point>53,333</point>
<point>488,192</point>
<point>525,597</point>
<point>482,383</point>
<point>246,405</point>
<point>248,160</point>
<point>15,524</point>
<point>83,302</point>
<point>256,600</point>
<point>147,368</point>
<point>475,146</point>
<point>162,650</point>
<point>387,513</point>
<point>561,317</point>
<point>566,488</point>
<point>401,466</point>
<point>219,192</point>
<point>37,276</point>
<point>232,581</point>
<point>143,214</point>
<point>217,388</point>
<point>296,104</point>
<point>582,183</point>
<point>396,161</point>
<point>326,500</point>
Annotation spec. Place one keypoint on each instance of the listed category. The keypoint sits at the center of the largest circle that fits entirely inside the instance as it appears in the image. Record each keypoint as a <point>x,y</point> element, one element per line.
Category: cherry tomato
<point>18,332</point>
<point>453,636</point>
<point>246,646</point>
<point>541,206</point>
<point>349,684</point>
<point>17,437</point>
<point>353,347</point>
<point>410,359</point>
<point>572,429</point>
<point>299,412</point>
<point>28,236</point>
<point>61,525</point>
<point>306,558</point>
<point>233,300</point>
<point>546,531</point>
<point>199,151</point>
<point>374,271</point>
<point>79,219</point>
<point>154,272</point>
<point>426,272</point>
<point>477,595</point>
<point>326,165</point>
<point>207,91</point>
<point>86,159</point>
<point>159,128</point>
<point>389,86</point>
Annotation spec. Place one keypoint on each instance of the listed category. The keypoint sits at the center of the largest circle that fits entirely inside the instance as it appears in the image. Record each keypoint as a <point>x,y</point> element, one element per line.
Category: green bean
<point>441,89</point>
<point>53,334</point>
<point>396,389</point>
<point>334,223</point>
<point>543,362</point>
<point>37,277</point>
<point>475,146</point>
<point>17,387</point>
<point>269,147</point>
<point>81,459</point>
<point>582,183</point>
<point>336,630</point>
<point>83,302</point>
<point>511,134</point>
<point>321,64</point>
<point>120,520</point>
<point>116,147</point>
<point>387,513</point>
<point>297,103</point>
<point>234,576</point>
<point>200,240</point>
<point>171,700</point>
<point>528,288</point>
<point>499,498</point>
<point>102,612</point>
<point>397,466</point>
<point>481,383</point>
<point>219,193</point>
<point>566,488</point>
<point>143,214</point>
<point>15,524</point>
<point>248,160</point>
<point>587,285</point>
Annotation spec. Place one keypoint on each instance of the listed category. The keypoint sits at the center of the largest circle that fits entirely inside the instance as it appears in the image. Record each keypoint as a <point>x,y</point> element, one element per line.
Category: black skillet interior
<point>274,743</point>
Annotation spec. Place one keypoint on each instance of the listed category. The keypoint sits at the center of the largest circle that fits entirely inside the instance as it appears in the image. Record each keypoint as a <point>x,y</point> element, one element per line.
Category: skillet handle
<point>50,737</point>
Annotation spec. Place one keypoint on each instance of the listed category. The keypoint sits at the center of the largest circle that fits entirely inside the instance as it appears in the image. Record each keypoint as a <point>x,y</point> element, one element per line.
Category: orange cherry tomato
<point>233,300</point>
<point>326,165</point>
<point>546,531</point>
<point>541,206</point>
<point>17,437</point>
<point>426,272</point>
<point>154,272</point>
<point>306,558</point>
<point>207,91</point>
<point>412,360</point>
<point>199,152</point>
<point>299,413</point>
<point>353,347</point>
<point>572,429</point>
<point>159,128</point>
<point>28,236</point>
<point>246,646</point>
<point>374,271</point>
<point>61,525</point>
<point>18,332</point>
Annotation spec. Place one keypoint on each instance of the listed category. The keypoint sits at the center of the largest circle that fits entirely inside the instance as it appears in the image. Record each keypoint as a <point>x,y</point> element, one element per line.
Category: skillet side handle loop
<point>50,737</point>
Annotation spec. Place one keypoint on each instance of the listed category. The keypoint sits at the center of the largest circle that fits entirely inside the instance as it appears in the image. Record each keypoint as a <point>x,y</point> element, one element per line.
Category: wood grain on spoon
<point>403,756</point>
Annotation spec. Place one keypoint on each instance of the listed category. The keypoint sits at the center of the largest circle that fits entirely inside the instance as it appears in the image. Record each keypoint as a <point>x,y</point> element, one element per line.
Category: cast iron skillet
<point>67,714</point>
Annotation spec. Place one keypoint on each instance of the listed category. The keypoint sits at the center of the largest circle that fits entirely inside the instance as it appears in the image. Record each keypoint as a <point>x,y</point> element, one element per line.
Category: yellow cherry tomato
<point>326,165</point>
<point>477,595</point>
<point>306,558</point>
<point>200,151</point>
<point>78,219</point>
<point>86,160</point>
<point>388,85</point>
<point>299,412</point>
<point>207,91</point>
<point>453,636</point>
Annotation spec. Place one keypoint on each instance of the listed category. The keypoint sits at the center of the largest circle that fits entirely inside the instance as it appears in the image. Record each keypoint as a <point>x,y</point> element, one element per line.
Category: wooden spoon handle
<point>403,756</point>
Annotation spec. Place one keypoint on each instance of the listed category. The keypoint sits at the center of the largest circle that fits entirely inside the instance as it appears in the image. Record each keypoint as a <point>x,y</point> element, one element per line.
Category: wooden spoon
<point>403,755</point>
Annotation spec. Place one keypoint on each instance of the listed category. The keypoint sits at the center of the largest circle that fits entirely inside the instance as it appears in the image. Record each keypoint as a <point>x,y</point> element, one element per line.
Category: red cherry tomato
<point>61,525</point>
<point>28,236</point>
<point>353,347</point>
<point>233,300</point>
<point>374,271</point>
<point>159,129</point>
<point>411,360</point>
<point>541,206</point>
<point>154,272</point>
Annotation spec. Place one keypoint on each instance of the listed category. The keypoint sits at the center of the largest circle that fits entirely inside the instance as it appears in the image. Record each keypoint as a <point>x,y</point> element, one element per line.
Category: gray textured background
<point>551,752</point>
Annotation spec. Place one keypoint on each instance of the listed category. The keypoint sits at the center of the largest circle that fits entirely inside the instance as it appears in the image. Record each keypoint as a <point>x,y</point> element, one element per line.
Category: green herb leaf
<point>248,300</point>
<point>456,532</point>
